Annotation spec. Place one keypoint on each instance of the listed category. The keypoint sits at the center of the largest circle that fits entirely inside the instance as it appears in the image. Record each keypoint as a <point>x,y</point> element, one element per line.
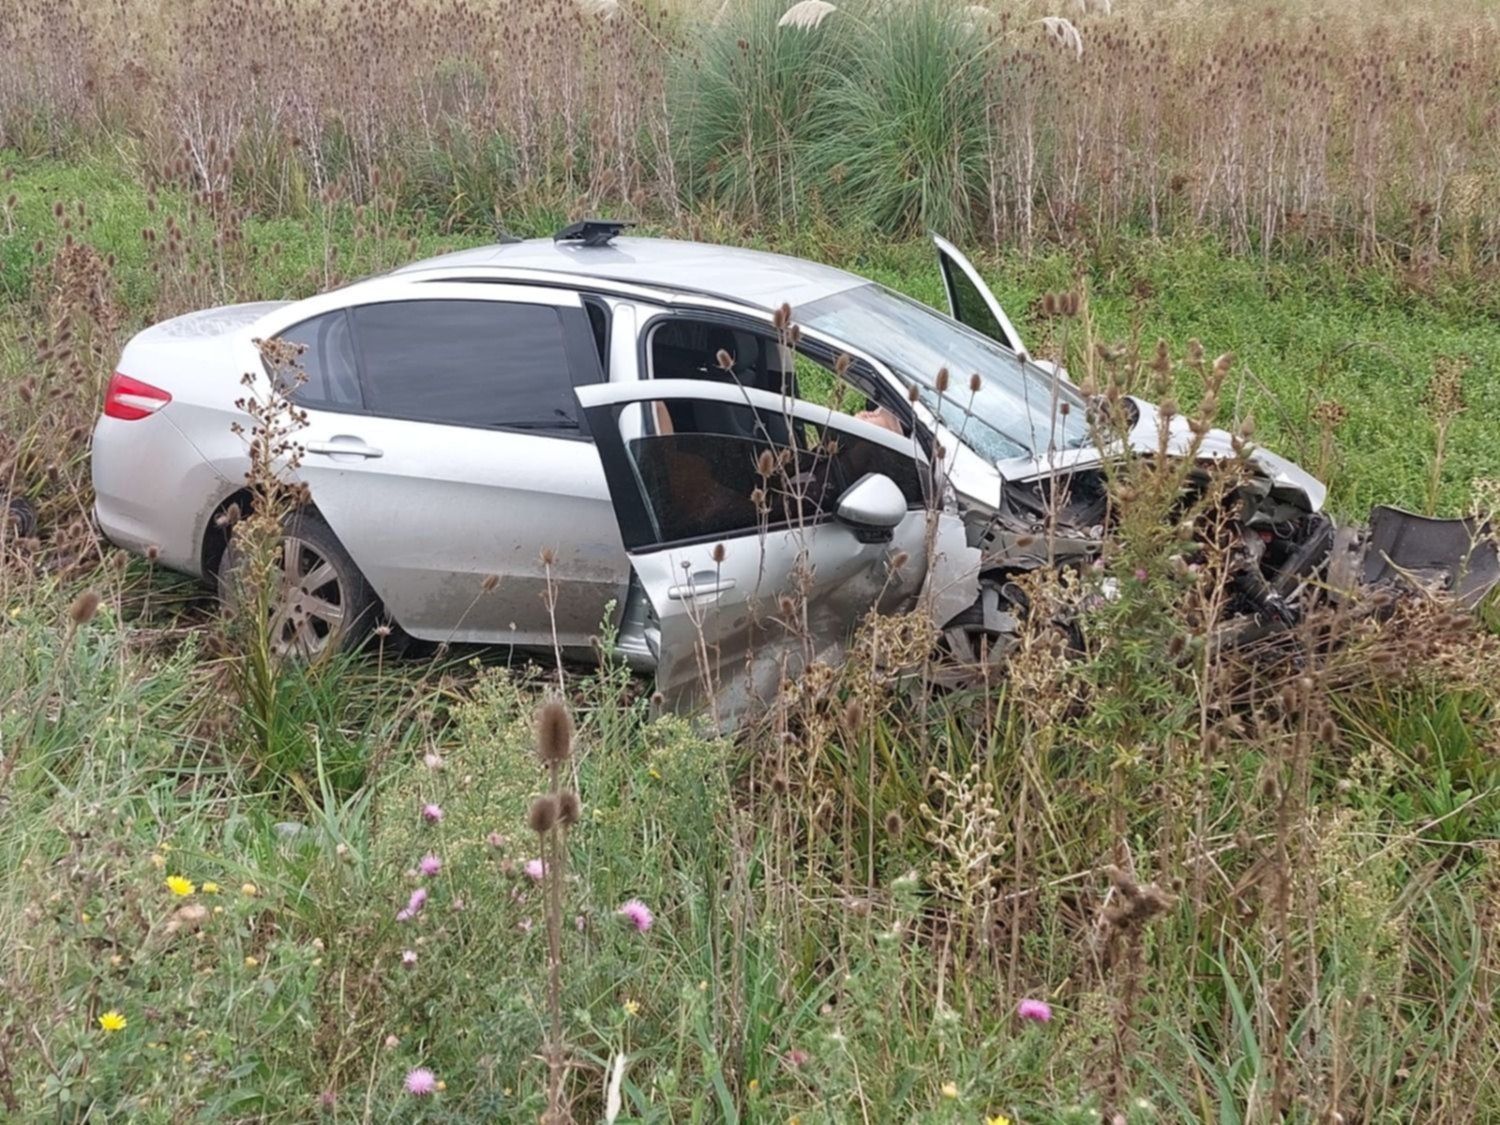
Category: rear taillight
<point>130,399</point>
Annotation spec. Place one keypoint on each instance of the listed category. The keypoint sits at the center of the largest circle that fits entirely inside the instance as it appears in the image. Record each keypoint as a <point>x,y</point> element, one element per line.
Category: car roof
<point>751,277</point>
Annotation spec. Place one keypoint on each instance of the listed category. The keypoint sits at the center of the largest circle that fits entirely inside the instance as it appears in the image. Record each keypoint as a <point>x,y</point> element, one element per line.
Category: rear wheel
<point>319,602</point>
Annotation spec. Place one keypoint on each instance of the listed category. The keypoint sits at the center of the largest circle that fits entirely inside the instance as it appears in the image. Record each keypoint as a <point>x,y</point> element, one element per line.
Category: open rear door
<point>761,529</point>
<point>970,301</point>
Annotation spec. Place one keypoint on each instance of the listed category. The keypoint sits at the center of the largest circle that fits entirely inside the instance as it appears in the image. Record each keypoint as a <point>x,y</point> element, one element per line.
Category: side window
<point>327,374</point>
<point>729,469</point>
<point>599,328</point>
<point>471,363</point>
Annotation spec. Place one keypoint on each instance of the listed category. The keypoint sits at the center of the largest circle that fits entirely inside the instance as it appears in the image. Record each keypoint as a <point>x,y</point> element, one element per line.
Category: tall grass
<point>1250,889</point>
<point>1281,128</point>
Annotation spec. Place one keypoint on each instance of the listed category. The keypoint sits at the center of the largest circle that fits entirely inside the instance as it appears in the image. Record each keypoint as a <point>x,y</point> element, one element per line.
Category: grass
<point>1234,910</point>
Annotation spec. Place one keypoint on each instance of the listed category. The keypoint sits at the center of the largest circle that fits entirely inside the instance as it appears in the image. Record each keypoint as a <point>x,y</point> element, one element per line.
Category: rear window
<point>325,373</point>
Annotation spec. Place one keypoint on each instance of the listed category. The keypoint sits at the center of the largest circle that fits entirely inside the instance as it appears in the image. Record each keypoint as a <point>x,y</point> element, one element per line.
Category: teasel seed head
<point>84,606</point>
<point>554,733</point>
<point>542,815</point>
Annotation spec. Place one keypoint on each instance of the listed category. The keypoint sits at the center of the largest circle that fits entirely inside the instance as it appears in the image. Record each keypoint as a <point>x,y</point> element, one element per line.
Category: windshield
<point>1011,415</point>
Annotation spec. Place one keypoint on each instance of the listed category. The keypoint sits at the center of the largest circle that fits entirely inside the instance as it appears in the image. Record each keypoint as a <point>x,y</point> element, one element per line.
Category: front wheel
<point>319,602</point>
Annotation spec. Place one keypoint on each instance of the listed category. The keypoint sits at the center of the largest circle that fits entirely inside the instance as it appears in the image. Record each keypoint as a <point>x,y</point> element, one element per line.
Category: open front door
<point>761,530</point>
<point>970,301</point>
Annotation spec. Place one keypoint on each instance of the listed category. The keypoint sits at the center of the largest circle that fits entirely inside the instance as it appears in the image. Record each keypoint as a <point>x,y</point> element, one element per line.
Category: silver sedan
<point>529,443</point>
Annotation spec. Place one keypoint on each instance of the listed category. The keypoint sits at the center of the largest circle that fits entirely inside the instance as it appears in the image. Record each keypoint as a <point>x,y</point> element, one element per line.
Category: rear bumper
<point>152,488</point>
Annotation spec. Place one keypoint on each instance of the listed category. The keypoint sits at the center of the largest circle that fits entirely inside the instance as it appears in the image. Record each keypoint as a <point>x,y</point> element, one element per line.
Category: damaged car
<point>722,457</point>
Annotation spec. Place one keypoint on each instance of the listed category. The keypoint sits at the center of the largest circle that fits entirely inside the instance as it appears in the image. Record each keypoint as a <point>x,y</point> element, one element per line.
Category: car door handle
<point>698,585</point>
<point>343,445</point>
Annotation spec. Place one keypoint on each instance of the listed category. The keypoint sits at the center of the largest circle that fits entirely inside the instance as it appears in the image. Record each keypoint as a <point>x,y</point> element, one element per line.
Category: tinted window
<point>325,372</point>
<point>729,469</point>
<point>474,363</point>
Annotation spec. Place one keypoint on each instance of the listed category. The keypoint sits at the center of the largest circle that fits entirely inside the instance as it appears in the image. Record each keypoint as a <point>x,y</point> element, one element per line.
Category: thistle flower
<point>431,813</point>
<point>1038,1010</point>
<point>429,865</point>
<point>420,1081</point>
<point>535,870</point>
<point>638,914</point>
<point>408,957</point>
<point>413,905</point>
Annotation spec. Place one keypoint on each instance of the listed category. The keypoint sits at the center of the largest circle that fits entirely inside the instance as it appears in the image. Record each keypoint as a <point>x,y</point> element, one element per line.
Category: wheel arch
<point>214,538</point>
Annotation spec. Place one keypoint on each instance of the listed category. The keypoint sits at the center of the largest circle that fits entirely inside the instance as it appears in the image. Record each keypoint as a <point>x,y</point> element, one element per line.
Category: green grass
<point>777,983</point>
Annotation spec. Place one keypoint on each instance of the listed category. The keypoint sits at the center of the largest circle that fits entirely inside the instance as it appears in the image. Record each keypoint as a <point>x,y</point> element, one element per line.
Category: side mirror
<point>872,507</point>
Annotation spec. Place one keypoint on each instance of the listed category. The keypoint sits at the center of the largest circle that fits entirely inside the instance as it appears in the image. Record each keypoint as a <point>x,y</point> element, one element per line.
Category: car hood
<point>1145,437</point>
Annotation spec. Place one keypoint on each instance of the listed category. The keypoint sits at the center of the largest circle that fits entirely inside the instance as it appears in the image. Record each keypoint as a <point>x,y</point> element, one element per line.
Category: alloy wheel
<point>309,611</point>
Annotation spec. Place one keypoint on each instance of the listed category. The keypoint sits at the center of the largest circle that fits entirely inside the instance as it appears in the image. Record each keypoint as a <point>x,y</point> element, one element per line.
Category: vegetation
<point>1144,881</point>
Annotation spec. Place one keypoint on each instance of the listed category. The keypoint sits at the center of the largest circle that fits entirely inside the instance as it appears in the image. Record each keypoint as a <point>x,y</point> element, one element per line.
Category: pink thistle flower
<point>796,1058</point>
<point>1141,574</point>
<point>495,840</point>
<point>420,1081</point>
<point>432,813</point>
<point>1038,1010</point>
<point>429,864</point>
<point>535,870</point>
<point>413,905</point>
<point>638,914</point>
<point>408,957</point>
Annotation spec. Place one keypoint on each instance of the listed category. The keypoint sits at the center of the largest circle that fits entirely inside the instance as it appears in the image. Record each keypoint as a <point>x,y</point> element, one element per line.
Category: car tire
<point>326,606</point>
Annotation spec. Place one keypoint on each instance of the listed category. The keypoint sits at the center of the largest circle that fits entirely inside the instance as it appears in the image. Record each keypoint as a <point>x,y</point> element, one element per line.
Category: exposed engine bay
<point>1277,553</point>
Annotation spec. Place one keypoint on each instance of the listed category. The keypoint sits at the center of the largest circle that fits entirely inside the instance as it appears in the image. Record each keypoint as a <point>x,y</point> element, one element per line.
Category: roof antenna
<point>591,232</point>
<point>502,236</point>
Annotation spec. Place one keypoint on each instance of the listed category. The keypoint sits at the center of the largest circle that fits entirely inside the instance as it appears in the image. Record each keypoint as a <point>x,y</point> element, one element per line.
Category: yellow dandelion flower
<point>997,1119</point>
<point>754,1085</point>
<point>179,886</point>
<point>251,962</point>
<point>631,1007</point>
<point>112,1021</point>
<point>950,1089</point>
<point>210,888</point>
<point>248,890</point>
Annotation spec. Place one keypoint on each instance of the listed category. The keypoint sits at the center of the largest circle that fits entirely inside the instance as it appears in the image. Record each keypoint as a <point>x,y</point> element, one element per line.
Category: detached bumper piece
<point>1409,554</point>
